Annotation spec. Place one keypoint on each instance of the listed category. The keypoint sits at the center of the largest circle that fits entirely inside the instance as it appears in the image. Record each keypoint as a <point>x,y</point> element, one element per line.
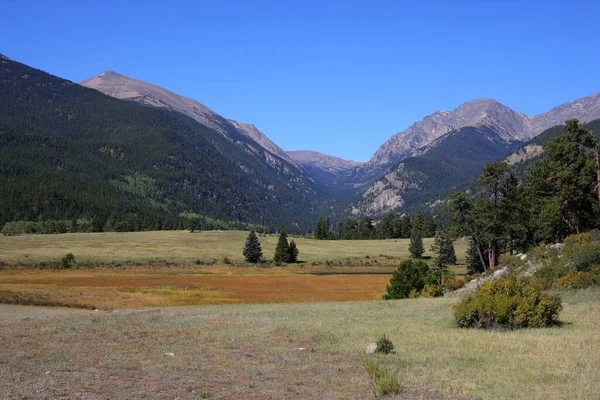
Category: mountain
<point>70,152</point>
<point>451,163</point>
<point>126,88</point>
<point>509,125</point>
<point>402,174</point>
<point>324,168</point>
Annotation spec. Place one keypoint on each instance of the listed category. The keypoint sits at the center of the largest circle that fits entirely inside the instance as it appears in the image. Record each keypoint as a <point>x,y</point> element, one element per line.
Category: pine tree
<point>293,252</point>
<point>444,248</point>
<point>252,249</point>
<point>416,244</point>
<point>282,250</point>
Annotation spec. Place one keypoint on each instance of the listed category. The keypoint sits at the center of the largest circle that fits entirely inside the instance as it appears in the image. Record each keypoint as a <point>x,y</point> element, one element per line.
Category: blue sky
<point>338,77</point>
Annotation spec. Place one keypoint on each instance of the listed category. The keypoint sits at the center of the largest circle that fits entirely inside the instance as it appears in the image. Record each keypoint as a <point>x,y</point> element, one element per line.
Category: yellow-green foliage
<point>508,302</point>
<point>511,261</point>
<point>579,279</point>
<point>575,243</point>
<point>383,380</point>
<point>432,291</point>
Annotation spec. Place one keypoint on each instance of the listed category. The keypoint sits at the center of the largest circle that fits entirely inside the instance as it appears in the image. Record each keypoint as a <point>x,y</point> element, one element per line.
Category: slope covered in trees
<point>70,152</point>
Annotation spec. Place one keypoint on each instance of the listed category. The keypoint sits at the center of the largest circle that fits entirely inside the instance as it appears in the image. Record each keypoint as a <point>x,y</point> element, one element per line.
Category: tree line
<point>557,197</point>
<point>392,226</point>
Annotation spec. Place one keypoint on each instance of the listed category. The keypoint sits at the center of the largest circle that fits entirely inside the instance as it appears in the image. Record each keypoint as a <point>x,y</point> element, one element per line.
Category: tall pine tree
<point>282,250</point>
<point>252,249</point>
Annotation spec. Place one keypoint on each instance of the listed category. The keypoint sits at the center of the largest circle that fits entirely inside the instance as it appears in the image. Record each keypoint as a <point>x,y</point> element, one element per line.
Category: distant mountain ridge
<point>323,164</point>
<point>509,125</point>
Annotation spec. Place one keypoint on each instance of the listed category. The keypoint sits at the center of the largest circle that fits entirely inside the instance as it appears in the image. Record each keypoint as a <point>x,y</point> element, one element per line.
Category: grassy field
<point>183,246</point>
<point>293,351</point>
<point>153,269</point>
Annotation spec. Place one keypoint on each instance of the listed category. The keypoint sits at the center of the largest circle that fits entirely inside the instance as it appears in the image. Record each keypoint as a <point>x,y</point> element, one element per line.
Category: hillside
<point>532,150</point>
<point>451,163</point>
<point>126,88</point>
<point>70,152</point>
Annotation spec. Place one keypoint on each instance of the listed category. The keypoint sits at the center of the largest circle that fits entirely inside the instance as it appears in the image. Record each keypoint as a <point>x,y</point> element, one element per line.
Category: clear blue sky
<point>338,77</point>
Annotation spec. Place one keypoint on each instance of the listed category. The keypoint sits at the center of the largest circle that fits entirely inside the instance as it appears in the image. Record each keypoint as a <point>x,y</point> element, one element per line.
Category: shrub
<point>454,283</point>
<point>574,243</point>
<point>227,261</point>
<point>382,379</point>
<point>511,261</point>
<point>586,257</point>
<point>67,260</point>
<point>430,290</point>
<point>411,275</point>
<point>508,302</point>
<point>579,279</point>
<point>384,345</point>
<point>545,276</point>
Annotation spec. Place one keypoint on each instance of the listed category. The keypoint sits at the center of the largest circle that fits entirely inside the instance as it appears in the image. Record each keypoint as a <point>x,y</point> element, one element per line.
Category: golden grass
<point>110,289</point>
<point>183,246</point>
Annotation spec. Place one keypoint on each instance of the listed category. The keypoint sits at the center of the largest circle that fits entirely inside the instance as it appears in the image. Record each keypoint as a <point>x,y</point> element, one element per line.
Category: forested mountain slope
<point>68,152</point>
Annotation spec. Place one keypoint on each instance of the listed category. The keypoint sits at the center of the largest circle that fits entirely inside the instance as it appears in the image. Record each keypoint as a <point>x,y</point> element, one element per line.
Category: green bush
<point>586,257</point>
<point>410,276</point>
<point>548,274</point>
<point>384,345</point>
<point>508,302</point>
<point>382,379</point>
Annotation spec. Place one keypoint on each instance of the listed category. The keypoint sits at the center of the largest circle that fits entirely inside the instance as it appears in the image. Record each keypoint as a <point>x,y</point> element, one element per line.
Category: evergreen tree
<point>416,244</point>
<point>252,249</point>
<point>366,230</point>
<point>293,252</point>
<point>562,186</point>
<point>406,227</point>
<point>282,250</point>
<point>444,248</point>
<point>419,224</point>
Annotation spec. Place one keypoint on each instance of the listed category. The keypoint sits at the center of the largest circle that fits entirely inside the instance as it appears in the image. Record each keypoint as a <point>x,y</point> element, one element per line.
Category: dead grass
<point>278,351</point>
<point>108,289</point>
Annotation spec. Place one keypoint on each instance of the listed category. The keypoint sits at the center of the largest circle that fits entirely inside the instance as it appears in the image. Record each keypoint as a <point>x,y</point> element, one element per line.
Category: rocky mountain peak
<point>509,125</point>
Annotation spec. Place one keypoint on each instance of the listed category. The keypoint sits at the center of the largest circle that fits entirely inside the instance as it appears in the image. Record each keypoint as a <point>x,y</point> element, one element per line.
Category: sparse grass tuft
<point>383,381</point>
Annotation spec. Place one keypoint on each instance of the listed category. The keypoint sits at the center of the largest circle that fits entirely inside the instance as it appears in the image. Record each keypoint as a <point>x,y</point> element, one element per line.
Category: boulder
<point>371,348</point>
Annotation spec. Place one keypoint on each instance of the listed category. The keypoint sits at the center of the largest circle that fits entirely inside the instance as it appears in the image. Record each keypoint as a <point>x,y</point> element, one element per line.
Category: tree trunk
<point>492,256</point>
<point>480,255</point>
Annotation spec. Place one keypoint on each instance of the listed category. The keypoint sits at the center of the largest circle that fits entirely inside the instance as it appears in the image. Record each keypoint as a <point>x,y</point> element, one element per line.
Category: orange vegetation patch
<point>124,289</point>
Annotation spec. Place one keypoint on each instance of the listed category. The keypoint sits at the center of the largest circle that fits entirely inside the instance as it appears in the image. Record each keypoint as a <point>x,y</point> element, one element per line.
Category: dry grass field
<point>293,351</point>
<point>298,339</point>
<point>154,269</point>
<point>183,246</point>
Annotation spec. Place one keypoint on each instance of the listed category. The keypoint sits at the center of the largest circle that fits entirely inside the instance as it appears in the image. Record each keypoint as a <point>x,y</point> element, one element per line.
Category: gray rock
<point>371,348</point>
